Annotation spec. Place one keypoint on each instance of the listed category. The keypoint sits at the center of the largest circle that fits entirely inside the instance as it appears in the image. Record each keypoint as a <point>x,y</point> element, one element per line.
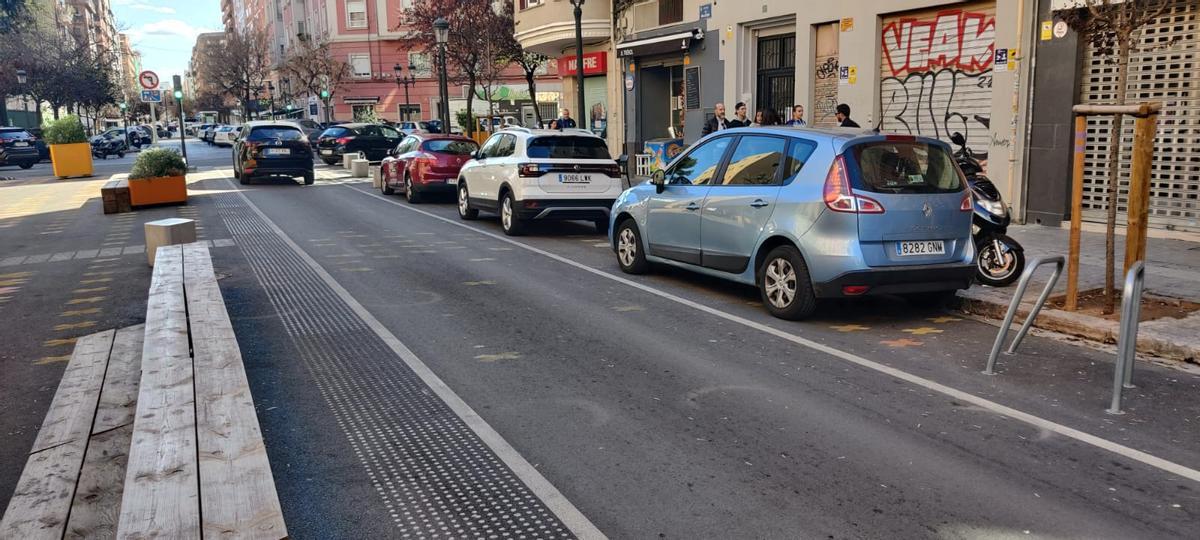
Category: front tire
<point>630,256</point>
<point>998,268</point>
<point>310,179</point>
<point>510,221</point>
<point>410,192</point>
<point>26,164</point>
<point>384,187</point>
<point>464,203</point>
<point>784,284</point>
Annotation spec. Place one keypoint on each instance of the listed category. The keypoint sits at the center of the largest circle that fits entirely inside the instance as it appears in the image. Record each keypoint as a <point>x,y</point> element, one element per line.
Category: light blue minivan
<point>804,214</point>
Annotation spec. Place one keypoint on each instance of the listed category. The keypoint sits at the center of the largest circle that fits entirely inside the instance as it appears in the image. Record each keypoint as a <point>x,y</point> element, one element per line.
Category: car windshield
<point>309,124</point>
<point>334,132</point>
<point>271,133</point>
<point>568,147</point>
<point>905,167</point>
<point>452,147</point>
<point>389,132</point>
<point>10,135</point>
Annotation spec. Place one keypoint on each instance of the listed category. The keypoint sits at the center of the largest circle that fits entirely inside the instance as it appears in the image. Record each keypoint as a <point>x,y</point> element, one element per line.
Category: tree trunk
<point>54,108</point>
<point>469,130</point>
<point>4,111</point>
<point>532,82</point>
<point>1114,179</point>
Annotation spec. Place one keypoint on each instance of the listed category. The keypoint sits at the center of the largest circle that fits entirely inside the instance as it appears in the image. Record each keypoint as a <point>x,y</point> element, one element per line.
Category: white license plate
<point>574,178</point>
<point>20,144</point>
<point>452,181</point>
<point>279,151</point>
<point>923,247</point>
<point>326,152</point>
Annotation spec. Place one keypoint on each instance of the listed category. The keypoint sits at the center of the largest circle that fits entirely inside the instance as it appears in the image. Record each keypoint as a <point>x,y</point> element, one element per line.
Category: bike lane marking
<point>1004,410</point>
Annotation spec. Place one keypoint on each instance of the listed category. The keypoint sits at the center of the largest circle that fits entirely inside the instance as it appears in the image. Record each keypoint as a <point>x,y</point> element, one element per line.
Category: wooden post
<point>1139,189</point>
<point>1072,301</point>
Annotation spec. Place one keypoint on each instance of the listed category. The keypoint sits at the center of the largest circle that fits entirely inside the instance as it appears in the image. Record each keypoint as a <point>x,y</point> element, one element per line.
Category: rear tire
<point>310,179</point>
<point>785,286</point>
<point>384,187</point>
<point>510,221</point>
<point>464,203</point>
<point>601,226</point>
<point>630,256</point>
<point>410,192</point>
<point>990,270</point>
<point>329,162</point>
<point>26,164</point>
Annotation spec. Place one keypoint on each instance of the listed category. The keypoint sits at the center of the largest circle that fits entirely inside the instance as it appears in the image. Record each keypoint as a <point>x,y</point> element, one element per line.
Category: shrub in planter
<point>70,153</point>
<point>158,177</point>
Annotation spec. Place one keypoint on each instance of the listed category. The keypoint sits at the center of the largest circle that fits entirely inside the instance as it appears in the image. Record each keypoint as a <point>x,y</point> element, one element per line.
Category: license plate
<point>574,178</point>
<point>278,151</point>
<point>20,144</point>
<point>923,247</point>
<point>326,152</point>
<point>451,180</point>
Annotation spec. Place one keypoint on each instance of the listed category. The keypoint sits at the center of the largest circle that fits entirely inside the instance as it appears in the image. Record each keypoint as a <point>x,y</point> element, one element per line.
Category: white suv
<point>525,174</point>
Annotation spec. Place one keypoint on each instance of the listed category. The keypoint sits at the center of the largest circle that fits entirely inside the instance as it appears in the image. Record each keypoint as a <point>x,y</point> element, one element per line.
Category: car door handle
<point>693,207</point>
<point>759,203</point>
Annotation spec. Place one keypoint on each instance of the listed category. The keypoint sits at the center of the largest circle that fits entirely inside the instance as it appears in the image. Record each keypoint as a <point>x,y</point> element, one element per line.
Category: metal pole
<point>443,92</point>
<point>406,111</point>
<point>580,118</point>
<point>1016,304</point>
<point>182,129</point>
<point>1131,310</point>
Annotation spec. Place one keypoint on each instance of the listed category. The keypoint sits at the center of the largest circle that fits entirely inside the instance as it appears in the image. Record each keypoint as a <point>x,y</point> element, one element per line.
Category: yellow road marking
<point>941,320</point>
<point>12,282</point>
<point>99,280</point>
<point>51,360</point>
<point>850,327</point>
<point>74,326</point>
<point>922,331</point>
<point>58,342</point>
<point>901,343</point>
<point>13,275</point>
<point>77,312</point>
<point>104,273</point>
<point>88,300</point>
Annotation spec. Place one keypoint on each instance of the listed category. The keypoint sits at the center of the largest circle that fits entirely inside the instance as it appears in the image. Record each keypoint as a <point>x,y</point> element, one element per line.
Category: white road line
<point>566,512</point>
<point>1035,421</point>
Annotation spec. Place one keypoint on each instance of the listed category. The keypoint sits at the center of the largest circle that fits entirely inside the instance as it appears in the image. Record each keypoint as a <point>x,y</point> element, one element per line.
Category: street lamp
<point>125,119</point>
<point>401,79</point>
<point>441,31</point>
<point>21,80</point>
<point>578,4</point>
<point>271,97</point>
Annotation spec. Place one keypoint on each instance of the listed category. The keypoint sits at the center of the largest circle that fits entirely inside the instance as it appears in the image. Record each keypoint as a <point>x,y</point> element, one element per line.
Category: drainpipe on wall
<point>1022,53</point>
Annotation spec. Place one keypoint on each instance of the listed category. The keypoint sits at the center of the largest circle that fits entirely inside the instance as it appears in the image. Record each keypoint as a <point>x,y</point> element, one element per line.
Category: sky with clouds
<point>164,31</point>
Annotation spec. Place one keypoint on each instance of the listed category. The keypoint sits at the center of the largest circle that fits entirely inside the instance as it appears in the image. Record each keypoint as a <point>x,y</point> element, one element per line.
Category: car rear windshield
<point>452,147</point>
<point>273,133</point>
<point>15,134</point>
<point>905,167</point>
<point>334,132</point>
<point>559,147</point>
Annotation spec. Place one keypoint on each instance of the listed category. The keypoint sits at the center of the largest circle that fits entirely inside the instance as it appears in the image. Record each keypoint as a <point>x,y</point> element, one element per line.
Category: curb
<point>1171,339</point>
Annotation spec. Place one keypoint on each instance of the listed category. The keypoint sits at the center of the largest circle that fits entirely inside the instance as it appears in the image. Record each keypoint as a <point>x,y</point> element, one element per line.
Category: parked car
<point>272,148</point>
<point>17,147</point>
<point>311,129</point>
<point>207,131</point>
<point>804,214</point>
<point>40,143</point>
<point>137,138</point>
<point>225,135</point>
<point>414,127</point>
<point>425,164</point>
<point>525,175</point>
<point>372,140</point>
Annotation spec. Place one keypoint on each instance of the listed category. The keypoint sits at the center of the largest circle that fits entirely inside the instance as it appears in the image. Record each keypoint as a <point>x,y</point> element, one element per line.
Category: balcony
<point>549,28</point>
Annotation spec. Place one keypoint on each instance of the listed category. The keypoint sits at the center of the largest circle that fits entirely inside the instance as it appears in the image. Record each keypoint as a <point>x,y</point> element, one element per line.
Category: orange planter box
<point>161,190</point>
<point>71,159</point>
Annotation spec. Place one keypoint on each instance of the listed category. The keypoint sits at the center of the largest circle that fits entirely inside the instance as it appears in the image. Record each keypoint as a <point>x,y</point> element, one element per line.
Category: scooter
<point>1000,259</point>
<point>102,148</point>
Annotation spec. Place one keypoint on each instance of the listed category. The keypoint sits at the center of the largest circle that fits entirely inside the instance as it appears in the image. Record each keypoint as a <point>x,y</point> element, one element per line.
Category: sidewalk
<point>1172,270</point>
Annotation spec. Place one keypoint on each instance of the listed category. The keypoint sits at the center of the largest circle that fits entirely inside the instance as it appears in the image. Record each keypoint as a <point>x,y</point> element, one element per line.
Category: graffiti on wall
<point>936,75</point>
<point>825,91</point>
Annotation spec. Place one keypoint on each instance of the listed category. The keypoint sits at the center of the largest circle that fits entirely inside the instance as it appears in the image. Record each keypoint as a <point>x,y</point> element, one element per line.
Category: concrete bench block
<point>168,232</point>
<point>376,176</point>
<point>348,159</point>
<point>358,168</point>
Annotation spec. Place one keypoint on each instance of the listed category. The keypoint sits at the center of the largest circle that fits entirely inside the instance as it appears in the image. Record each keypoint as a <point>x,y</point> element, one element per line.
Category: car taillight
<point>344,140</point>
<point>529,170</point>
<point>613,170</point>
<point>839,197</point>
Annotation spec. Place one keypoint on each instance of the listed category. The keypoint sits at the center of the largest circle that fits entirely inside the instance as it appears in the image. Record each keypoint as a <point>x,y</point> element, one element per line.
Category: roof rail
<point>516,128</point>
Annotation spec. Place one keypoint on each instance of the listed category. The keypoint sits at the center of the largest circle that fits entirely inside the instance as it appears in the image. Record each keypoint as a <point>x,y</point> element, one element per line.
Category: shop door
<point>1166,74</point>
<point>936,74</point>
<point>776,73</point>
<point>825,79</point>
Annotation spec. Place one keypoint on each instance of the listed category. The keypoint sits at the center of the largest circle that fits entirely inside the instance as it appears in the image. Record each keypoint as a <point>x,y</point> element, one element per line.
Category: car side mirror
<point>478,155</point>
<point>659,179</point>
<point>957,138</point>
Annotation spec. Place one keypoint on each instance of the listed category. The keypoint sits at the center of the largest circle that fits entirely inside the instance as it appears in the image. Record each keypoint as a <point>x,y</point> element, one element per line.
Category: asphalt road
<point>668,405</point>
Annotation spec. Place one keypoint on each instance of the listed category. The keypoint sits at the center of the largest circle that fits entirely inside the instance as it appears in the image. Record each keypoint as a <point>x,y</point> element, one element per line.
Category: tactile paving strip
<point>437,479</point>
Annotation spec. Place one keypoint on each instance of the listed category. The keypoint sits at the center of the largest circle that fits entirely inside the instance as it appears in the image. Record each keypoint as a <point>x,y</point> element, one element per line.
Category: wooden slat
<point>161,497</point>
<point>97,503</point>
<point>74,405</point>
<point>237,490</point>
<point>40,504</point>
<point>118,397</point>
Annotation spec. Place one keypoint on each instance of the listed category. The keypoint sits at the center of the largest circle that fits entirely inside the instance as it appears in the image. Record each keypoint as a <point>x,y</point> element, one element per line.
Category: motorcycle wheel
<point>120,155</point>
<point>998,268</point>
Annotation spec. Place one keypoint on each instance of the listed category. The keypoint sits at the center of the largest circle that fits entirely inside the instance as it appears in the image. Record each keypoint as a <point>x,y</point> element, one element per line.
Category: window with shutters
<point>360,65</point>
<point>526,4</point>
<point>670,11</point>
<point>356,14</point>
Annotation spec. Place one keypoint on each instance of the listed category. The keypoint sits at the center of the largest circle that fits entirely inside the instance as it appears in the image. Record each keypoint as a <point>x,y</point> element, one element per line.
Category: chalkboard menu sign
<point>691,83</point>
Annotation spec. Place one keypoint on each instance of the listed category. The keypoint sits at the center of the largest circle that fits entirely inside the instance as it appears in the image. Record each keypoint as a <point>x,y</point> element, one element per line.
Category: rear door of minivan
<point>918,215</point>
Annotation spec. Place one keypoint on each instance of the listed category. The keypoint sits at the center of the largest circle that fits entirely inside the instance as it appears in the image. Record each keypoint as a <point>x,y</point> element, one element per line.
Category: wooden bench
<point>115,196</point>
<point>152,432</point>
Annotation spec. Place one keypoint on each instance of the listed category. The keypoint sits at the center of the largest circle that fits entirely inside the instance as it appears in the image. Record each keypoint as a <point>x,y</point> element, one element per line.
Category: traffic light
<point>122,105</point>
<point>324,94</point>
<point>179,94</point>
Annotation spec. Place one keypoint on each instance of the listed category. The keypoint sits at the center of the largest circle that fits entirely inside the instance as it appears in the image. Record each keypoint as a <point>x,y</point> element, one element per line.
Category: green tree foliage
<point>158,162</point>
<point>65,130</point>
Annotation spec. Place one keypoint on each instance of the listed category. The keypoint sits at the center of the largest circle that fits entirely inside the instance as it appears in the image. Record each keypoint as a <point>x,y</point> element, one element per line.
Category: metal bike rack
<point>1058,261</point>
<point>1131,311</point>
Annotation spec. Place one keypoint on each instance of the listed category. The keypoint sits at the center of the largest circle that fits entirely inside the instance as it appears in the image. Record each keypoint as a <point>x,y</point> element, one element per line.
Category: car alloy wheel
<point>780,283</point>
<point>410,194</point>
<point>627,247</point>
<point>464,203</point>
<point>510,221</point>
<point>506,213</point>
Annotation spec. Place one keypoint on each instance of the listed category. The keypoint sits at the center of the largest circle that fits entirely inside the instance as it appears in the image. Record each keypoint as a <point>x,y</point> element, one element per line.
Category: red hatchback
<point>425,164</point>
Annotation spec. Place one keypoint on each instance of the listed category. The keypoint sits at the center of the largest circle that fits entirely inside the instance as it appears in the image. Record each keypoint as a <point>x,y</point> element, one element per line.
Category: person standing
<point>717,122</point>
<point>565,121</point>
<point>740,119</point>
<point>769,117</point>
<point>797,119</point>
<point>843,116</point>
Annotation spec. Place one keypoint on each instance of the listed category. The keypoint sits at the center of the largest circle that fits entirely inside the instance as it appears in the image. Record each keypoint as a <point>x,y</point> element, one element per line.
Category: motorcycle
<point>1000,259</point>
<point>104,147</point>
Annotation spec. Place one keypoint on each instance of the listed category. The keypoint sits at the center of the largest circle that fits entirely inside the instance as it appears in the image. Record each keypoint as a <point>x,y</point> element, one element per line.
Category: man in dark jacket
<point>565,121</point>
<point>843,116</point>
<point>717,122</point>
